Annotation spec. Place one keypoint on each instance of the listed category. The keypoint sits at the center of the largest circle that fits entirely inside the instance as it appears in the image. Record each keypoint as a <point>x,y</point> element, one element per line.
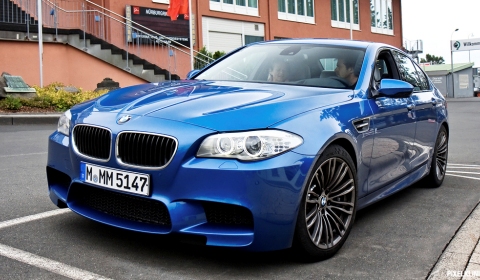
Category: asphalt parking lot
<point>401,237</point>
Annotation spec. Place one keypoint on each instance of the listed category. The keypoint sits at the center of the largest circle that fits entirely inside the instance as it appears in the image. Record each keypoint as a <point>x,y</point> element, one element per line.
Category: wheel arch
<point>447,127</point>
<point>341,141</point>
<point>348,146</point>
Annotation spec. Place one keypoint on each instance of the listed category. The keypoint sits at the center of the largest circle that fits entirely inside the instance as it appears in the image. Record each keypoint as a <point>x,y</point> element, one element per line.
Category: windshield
<point>295,64</point>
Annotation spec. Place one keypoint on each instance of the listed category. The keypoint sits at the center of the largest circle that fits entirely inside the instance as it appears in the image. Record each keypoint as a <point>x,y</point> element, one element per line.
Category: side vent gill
<point>362,125</point>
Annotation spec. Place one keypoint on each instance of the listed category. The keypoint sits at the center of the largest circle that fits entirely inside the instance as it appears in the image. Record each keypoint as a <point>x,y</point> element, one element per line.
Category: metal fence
<point>89,18</point>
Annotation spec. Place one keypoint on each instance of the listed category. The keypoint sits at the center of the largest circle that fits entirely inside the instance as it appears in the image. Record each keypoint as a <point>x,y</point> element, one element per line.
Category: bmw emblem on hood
<point>124,119</point>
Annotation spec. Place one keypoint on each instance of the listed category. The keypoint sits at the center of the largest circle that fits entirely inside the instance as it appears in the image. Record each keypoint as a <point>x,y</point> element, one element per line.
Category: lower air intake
<point>227,214</point>
<point>120,205</point>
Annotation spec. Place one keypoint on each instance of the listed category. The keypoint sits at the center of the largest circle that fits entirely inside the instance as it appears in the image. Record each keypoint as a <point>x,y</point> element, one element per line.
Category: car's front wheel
<point>328,205</point>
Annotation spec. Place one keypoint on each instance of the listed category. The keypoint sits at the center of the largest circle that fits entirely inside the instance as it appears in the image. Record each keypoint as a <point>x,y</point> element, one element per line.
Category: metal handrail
<point>124,23</point>
<point>141,26</point>
<point>100,22</point>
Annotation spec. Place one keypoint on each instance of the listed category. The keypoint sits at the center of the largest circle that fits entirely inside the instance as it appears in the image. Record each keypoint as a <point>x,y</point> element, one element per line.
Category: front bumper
<point>253,205</point>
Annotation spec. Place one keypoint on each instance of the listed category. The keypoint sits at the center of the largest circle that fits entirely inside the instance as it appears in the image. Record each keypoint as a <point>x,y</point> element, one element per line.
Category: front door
<point>394,125</point>
<point>425,109</point>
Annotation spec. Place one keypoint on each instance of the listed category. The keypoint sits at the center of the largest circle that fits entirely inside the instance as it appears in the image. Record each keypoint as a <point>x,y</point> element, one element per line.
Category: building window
<point>252,39</point>
<point>253,3</point>
<point>382,16</point>
<point>296,10</point>
<point>341,14</point>
<point>243,7</point>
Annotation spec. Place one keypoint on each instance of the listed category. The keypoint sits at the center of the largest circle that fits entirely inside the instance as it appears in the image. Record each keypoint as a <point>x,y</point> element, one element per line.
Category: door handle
<point>410,106</point>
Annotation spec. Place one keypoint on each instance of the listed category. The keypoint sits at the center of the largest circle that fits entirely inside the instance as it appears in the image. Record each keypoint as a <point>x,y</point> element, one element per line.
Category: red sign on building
<point>159,21</point>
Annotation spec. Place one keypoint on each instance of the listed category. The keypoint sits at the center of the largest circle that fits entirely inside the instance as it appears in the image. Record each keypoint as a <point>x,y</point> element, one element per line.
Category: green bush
<point>12,103</point>
<point>50,97</point>
<point>216,55</point>
<point>204,57</point>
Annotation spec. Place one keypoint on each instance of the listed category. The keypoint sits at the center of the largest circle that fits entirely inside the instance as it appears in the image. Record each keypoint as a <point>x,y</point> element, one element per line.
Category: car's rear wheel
<point>328,205</point>
<point>439,160</point>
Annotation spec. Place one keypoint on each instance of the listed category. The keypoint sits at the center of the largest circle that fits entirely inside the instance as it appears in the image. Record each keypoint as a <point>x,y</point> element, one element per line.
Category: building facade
<point>115,32</point>
<point>227,24</point>
<point>300,18</point>
<point>462,84</point>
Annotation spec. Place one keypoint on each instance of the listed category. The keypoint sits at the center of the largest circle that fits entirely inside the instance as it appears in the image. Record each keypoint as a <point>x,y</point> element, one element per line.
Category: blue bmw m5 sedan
<point>275,145</point>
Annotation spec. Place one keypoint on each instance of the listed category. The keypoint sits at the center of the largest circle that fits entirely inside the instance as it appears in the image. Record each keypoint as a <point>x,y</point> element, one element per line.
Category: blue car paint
<point>271,189</point>
<point>391,87</point>
<point>201,103</point>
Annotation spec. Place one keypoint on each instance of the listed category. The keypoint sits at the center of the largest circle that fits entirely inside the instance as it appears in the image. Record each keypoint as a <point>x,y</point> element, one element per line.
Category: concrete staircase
<point>11,13</point>
<point>118,57</point>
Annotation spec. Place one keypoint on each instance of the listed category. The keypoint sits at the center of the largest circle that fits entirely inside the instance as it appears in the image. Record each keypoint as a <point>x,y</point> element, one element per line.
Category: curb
<point>461,258</point>
<point>463,99</point>
<point>26,119</point>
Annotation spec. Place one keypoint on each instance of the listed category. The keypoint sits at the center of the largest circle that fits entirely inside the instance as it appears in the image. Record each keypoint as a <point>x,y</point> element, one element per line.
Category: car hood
<point>220,106</point>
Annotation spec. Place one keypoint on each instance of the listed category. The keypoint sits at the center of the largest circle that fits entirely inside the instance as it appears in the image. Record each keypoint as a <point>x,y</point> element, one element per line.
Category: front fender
<point>323,127</point>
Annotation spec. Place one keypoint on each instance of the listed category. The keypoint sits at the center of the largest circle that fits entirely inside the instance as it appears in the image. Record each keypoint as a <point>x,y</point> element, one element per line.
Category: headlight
<point>250,145</point>
<point>64,123</point>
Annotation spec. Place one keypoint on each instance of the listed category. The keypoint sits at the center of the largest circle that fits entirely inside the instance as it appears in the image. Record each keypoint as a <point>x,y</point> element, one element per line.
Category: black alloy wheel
<point>328,206</point>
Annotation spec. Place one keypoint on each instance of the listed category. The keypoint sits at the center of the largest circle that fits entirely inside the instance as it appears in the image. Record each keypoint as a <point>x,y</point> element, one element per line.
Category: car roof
<point>325,41</point>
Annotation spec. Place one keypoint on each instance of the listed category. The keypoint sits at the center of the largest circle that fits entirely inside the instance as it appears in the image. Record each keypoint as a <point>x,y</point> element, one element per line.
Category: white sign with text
<point>465,45</point>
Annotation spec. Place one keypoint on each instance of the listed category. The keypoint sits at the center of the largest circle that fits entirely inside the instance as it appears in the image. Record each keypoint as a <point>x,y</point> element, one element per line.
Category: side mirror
<point>192,73</point>
<point>395,88</point>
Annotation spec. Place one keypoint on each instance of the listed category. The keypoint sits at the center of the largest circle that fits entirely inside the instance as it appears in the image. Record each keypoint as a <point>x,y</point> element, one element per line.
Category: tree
<point>433,59</point>
<point>204,57</point>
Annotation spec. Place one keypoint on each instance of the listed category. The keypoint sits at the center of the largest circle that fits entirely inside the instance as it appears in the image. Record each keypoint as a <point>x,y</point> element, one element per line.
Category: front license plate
<point>126,181</point>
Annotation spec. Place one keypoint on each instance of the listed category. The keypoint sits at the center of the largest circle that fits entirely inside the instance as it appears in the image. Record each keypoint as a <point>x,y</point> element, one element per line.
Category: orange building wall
<point>61,63</point>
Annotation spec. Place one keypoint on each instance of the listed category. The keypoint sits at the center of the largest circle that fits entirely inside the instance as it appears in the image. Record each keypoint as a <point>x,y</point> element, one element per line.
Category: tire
<point>328,205</point>
<point>439,160</point>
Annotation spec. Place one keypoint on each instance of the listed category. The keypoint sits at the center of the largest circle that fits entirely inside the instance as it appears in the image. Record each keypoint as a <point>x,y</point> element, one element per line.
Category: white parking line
<point>48,264</point>
<point>20,155</point>
<point>467,177</point>
<point>464,172</point>
<point>41,262</point>
<point>464,165</point>
<point>466,169</point>
<point>33,217</point>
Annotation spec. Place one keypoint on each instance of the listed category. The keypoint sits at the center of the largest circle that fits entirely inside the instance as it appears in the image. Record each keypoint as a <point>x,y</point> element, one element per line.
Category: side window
<point>423,79</point>
<point>408,73</point>
<point>383,68</point>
